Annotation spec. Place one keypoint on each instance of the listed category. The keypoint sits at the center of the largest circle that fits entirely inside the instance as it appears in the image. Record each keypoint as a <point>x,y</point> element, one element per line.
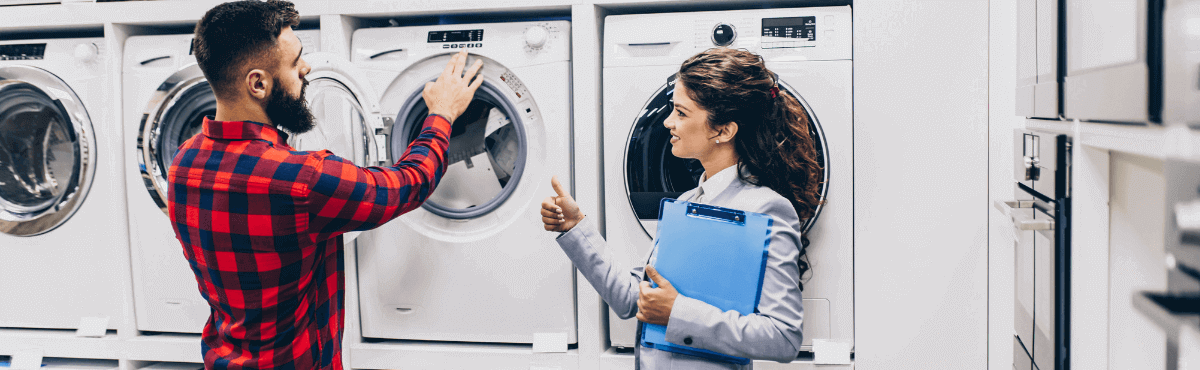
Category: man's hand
<point>560,213</point>
<point>654,304</point>
<point>450,95</point>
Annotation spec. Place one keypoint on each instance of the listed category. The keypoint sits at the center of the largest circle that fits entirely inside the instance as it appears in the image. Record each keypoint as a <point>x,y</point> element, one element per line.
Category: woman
<point>758,156</point>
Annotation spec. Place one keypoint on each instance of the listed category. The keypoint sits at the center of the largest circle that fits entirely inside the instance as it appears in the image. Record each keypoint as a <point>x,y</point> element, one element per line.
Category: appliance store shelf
<point>1169,311</point>
<point>60,343</point>
<point>409,354</point>
<point>1168,142</point>
<point>613,360</point>
<point>82,15</point>
<point>164,347</point>
<point>1179,317</point>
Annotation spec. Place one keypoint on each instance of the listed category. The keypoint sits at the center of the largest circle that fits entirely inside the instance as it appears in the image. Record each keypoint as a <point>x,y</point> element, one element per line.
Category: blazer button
<point>687,340</point>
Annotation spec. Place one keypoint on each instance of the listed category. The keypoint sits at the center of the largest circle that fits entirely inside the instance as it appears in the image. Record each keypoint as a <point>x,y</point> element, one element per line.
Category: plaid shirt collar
<point>243,130</point>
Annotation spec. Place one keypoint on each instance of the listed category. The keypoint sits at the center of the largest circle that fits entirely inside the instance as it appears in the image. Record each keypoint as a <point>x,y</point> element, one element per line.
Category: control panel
<point>23,52</point>
<point>455,36</point>
<point>789,32</point>
<point>792,28</point>
<point>814,33</point>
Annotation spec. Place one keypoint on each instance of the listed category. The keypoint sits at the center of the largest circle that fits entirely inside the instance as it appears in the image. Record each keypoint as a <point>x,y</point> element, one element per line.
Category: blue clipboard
<point>713,254</point>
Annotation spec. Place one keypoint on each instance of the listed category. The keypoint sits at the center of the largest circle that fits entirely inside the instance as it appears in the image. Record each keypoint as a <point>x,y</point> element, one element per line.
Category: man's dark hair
<point>234,33</point>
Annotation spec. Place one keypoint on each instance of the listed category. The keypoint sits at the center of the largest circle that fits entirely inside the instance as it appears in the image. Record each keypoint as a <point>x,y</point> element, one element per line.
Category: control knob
<point>86,53</point>
<point>723,34</point>
<point>536,36</point>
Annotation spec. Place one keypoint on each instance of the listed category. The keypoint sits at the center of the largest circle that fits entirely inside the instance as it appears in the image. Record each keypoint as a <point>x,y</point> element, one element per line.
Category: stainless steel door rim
<point>38,197</point>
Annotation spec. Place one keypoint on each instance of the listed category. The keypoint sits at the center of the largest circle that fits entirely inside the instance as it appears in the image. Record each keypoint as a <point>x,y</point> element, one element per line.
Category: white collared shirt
<point>714,185</point>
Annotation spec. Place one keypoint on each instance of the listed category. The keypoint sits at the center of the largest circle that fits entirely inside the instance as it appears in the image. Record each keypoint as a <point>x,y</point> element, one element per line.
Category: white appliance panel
<point>1027,61</point>
<point>1181,64</point>
<point>1110,75</point>
<point>58,275</point>
<point>1046,105</point>
<point>421,276</point>
<point>1106,33</point>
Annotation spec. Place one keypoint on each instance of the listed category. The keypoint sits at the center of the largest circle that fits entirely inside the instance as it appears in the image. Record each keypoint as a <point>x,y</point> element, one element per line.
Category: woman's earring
<point>718,141</point>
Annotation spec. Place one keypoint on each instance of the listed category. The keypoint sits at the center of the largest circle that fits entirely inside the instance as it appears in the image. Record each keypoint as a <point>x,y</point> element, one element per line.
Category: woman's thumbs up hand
<point>560,212</point>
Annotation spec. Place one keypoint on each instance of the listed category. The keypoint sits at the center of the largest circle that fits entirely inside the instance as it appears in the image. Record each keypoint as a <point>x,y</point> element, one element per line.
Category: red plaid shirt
<point>261,226</point>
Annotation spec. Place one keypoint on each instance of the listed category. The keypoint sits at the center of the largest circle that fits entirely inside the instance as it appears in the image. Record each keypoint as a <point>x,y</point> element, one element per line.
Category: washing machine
<point>810,50</point>
<point>473,263</point>
<point>63,235</point>
<point>165,101</point>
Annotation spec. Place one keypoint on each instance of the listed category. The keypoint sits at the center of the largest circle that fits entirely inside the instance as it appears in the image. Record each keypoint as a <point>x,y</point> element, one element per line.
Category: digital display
<point>456,36</point>
<point>792,28</point>
<point>22,52</point>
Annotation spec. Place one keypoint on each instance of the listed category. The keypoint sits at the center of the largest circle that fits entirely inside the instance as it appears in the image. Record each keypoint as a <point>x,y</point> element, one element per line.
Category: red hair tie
<point>774,91</point>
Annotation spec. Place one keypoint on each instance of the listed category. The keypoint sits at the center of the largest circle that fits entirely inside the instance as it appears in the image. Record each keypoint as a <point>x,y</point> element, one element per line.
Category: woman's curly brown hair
<point>773,140</point>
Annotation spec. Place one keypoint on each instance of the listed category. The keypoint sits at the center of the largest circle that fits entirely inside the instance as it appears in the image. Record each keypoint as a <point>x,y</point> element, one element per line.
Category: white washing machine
<point>63,233</point>
<point>478,238</point>
<point>165,99</point>
<point>810,50</point>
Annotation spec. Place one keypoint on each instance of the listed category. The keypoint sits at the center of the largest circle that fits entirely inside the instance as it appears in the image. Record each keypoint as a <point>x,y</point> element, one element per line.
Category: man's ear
<point>258,84</point>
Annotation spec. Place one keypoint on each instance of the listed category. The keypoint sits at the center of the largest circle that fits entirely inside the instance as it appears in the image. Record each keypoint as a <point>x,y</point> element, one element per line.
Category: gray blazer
<point>773,333</point>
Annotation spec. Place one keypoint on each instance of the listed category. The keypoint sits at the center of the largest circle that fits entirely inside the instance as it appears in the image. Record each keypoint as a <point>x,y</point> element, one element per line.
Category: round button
<point>536,36</point>
<point>687,341</point>
<point>723,35</point>
<point>86,52</point>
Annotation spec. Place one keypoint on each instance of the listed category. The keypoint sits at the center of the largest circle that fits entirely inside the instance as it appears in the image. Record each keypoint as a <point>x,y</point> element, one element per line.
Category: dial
<point>536,36</point>
<point>86,52</point>
<point>723,34</point>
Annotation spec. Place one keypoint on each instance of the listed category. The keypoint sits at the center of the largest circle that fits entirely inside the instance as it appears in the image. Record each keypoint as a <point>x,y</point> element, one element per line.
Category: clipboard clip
<point>732,216</point>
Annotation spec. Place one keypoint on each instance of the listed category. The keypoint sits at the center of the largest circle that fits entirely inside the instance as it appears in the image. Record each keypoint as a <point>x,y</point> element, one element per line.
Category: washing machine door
<point>653,173</point>
<point>346,116</point>
<point>175,114</point>
<point>487,153</point>
<point>47,151</point>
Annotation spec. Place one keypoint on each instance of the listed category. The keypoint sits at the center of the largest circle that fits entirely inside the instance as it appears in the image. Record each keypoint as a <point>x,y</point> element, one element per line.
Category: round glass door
<point>653,173</point>
<point>341,123</point>
<point>45,157</point>
<point>486,156</point>
<point>176,114</point>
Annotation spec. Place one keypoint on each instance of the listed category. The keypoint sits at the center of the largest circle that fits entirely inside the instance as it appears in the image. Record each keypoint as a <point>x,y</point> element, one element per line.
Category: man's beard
<point>291,114</point>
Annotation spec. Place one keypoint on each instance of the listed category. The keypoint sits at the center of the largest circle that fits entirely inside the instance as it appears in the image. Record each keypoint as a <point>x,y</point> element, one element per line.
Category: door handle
<point>1020,220</point>
<point>385,52</point>
<point>1187,216</point>
<point>649,42</point>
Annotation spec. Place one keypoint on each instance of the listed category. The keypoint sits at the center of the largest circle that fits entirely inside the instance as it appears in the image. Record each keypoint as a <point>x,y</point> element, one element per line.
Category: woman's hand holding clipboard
<point>654,304</point>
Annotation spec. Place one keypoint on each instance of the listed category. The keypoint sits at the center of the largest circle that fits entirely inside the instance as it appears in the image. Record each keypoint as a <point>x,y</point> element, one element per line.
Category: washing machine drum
<point>653,173</point>
<point>176,114</point>
<point>485,159</point>
<point>46,151</point>
<point>184,120</point>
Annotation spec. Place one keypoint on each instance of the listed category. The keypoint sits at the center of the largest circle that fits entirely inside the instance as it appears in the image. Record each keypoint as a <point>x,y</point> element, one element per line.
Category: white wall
<point>1002,56</point>
<point>921,189</point>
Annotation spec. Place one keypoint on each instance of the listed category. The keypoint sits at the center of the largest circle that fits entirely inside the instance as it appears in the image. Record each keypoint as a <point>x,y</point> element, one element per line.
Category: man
<point>261,223</point>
